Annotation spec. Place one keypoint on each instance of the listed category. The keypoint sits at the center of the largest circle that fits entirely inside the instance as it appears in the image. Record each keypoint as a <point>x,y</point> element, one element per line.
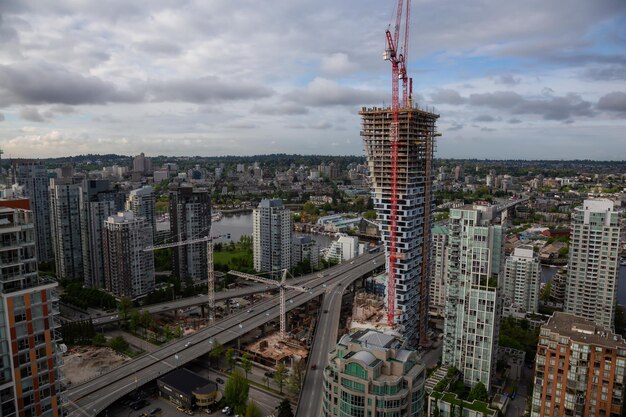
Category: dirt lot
<point>83,363</point>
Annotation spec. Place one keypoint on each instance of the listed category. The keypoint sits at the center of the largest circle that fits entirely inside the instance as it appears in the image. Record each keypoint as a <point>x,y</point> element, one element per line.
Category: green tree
<point>125,307</point>
<point>296,378</point>
<point>280,375</point>
<point>252,410</point>
<point>246,363</point>
<point>236,392</point>
<point>284,409</point>
<point>479,392</point>
<point>119,344</point>
<point>230,357</point>
<point>217,351</point>
<point>99,340</point>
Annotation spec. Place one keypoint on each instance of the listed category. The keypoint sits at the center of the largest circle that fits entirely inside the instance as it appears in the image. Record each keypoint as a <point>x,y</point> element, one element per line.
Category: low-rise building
<point>449,405</point>
<point>187,389</point>
<point>373,374</point>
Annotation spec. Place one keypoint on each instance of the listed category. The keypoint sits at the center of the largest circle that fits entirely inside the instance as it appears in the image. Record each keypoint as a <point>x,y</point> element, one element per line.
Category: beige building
<point>373,374</point>
<point>579,369</point>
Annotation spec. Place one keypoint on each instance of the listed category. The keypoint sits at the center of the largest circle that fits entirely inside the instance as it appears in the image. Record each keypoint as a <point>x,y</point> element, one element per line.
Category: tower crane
<point>398,72</point>
<point>210,269</point>
<point>282,286</point>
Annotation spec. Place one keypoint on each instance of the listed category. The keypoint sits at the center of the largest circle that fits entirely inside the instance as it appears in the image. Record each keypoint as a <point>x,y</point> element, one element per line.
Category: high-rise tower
<point>33,176</point>
<point>142,203</point>
<point>66,231</point>
<point>128,268</point>
<point>271,236</point>
<point>591,286</point>
<point>29,310</point>
<point>414,201</point>
<point>473,304</point>
<point>190,218</point>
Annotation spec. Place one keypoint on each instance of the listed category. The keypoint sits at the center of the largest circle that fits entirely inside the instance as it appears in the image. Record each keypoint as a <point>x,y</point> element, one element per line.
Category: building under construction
<point>404,204</point>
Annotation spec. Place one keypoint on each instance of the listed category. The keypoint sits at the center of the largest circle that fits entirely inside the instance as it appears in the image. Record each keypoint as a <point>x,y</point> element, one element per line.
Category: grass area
<point>476,405</point>
<point>226,258</point>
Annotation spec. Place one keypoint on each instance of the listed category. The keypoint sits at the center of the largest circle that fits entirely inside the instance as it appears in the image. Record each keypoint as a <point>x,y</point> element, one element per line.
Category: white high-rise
<point>522,279</point>
<point>591,286</point>
<point>142,203</point>
<point>271,236</point>
<point>33,176</point>
<point>438,271</point>
<point>128,268</point>
<point>473,305</point>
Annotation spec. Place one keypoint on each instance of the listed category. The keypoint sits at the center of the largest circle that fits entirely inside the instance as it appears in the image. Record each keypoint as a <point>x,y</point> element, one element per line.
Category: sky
<point>532,79</point>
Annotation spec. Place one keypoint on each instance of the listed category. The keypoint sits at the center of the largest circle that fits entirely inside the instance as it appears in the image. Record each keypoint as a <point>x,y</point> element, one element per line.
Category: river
<point>241,224</point>
<point>547,273</point>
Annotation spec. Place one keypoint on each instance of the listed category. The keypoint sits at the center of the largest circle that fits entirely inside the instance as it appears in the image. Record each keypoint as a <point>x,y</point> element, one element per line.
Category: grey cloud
<point>204,90</point>
<point>40,82</point>
<point>487,129</point>
<point>280,109</point>
<point>447,96</point>
<point>514,121</point>
<point>31,114</point>
<point>159,47</point>
<point>1,117</point>
<point>62,108</point>
<point>606,73</point>
<point>550,108</point>
<point>615,101</point>
<point>456,126</point>
<point>322,92</point>
<point>507,79</point>
<point>484,118</point>
<point>321,125</point>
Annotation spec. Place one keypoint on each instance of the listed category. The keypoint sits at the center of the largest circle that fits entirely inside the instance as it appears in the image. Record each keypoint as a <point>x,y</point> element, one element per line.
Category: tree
<point>118,343</point>
<point>99,340</point>
<point>236,392</point>
<point>125,307</point>
<point>252,410</point>
<point>296,378</point>
<point>217,351</point>
<point>280,375</point>
<point>284,409</point>
<point>230,357</point>
<point>246,363</point>
<point>479,392</point>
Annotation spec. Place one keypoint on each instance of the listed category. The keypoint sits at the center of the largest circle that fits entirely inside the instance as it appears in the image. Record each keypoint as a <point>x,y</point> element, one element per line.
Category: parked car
<point>219,381</point>
<point>314,367</point>
<point>155,411</point>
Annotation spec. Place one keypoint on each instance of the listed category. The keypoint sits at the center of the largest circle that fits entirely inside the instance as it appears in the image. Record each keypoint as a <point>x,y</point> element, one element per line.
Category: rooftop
<point>188,382</point>
<point>582,330</point>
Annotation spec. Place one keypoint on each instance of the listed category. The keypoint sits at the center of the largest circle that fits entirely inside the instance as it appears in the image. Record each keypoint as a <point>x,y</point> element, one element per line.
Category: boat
<point>216,217</point>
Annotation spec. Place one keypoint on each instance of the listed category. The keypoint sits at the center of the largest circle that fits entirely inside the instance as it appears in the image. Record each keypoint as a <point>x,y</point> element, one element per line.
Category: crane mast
<point>398,71</point>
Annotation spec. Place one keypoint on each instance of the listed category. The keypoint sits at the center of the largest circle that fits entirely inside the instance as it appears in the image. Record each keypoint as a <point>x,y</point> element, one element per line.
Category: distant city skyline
<point>523,80</point>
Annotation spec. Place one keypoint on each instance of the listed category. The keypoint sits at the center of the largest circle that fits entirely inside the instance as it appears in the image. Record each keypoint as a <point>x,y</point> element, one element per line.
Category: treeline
<point>76,295</point>
<point>78,332</point>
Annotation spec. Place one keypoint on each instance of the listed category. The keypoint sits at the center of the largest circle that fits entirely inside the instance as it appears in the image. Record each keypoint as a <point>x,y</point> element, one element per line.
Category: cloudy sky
<point>510,79</point>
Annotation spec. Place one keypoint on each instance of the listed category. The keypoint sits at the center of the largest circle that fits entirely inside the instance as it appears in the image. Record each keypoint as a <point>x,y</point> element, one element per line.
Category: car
<point>138,405</point>
<point>225,410</point>
<point>188,344</point>
<point>155,411</point>
<point>325,311</point>
<point>352,263</point>
<point>219,380</point>
<point>250,311</point>
<point>269,374</point>
<point>313,367</point>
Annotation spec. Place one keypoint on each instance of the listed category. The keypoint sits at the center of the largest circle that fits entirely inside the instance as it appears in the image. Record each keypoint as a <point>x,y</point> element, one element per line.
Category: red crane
<point>398,71</point>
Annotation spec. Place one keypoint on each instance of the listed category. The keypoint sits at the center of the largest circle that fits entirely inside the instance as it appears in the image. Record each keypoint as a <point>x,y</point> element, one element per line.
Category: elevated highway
<point>95,395</point>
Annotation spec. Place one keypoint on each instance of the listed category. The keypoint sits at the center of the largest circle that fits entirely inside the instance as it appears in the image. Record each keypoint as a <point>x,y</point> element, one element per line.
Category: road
<point>92,397</point>
<point>325,340</point>
<point>189,302</point>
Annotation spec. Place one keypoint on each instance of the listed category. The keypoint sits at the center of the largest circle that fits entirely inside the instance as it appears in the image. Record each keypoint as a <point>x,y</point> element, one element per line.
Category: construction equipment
<point>210,269</point>
<point>282,286</point>
<point>398,71</point>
